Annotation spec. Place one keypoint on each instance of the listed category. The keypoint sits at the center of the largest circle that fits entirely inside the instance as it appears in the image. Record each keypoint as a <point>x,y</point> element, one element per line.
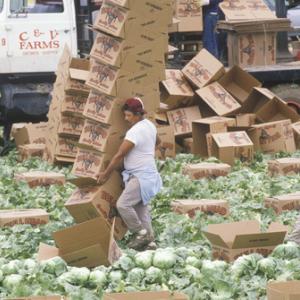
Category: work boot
<point>141,240</point>
<point>151,246</point>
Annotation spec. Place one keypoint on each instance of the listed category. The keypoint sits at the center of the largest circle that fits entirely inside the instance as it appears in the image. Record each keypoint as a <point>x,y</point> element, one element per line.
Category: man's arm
<point>158,141</point>
<point>124,149</point>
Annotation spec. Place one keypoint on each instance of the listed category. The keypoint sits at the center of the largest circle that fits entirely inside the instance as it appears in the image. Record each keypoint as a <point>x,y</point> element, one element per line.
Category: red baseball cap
<point>135,105</point>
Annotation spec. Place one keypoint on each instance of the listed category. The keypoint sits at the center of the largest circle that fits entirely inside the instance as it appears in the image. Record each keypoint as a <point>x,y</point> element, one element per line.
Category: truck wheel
<point>289,93</point>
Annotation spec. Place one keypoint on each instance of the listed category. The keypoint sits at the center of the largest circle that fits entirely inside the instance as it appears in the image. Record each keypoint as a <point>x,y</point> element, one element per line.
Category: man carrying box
<point>210,19</point>
<point>141,178</point>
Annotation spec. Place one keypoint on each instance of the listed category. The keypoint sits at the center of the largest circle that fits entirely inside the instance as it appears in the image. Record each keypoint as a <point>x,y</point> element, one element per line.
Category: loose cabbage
<point>164,259</point>
<point>55,266</point>
<point>12,281</point>
<point>144,259</point>
<point>289,250</point>
<point>136,275</point>
<point>97,278</point>
<point>153,275</point>
<point>267,266</point>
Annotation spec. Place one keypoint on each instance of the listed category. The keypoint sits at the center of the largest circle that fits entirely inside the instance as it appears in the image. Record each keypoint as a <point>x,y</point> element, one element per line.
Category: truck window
<point>1,5</point>
<point>36,6</point>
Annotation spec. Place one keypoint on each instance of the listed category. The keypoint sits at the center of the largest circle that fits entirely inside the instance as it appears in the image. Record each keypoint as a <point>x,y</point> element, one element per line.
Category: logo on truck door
<point>39,40</point>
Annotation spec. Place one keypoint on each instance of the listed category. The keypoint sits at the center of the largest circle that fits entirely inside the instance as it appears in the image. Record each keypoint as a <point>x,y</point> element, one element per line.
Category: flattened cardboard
<point>218,99</point>
<point>98,201</point>
<point>201,129</point>
<point>284,166</point>
<point>231,240</point>
<point>257,99</point>
<point>232,145</point>
<point>276,110</point>
<point>181,119</point>
<point>289,290</point>
<point>284,202</point>
<point>239,83</point>
<point>41,178</point>
<point>38,298</point>
<point>241,10</point>
<point>70,125</point>
<point>189,15</point>
<point>296,130</point>
<point>176,90</point>
<point>31,134</point>
<point>273,137</point>
<point>190,207</point>
<point>95,247</point>
<point>23,216</point>
<point>203,69</point>
<point>31,150</point>
<point>206,170</point>
<point>146,296</point>
<point>101,137</point>
<point>167,146</point>
<point>73,104</point>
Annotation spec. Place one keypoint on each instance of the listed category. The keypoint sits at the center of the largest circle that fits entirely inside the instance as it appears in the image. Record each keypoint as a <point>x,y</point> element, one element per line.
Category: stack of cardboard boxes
<point>226,114</point>
<point>251,32</point>
<point>65,117</point>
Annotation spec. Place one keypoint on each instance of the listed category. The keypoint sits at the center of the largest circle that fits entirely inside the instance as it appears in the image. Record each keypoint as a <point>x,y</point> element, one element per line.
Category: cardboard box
<point>202,130</point>
<point>31,134</point>
<point>39,298</point>
<point>231,240</point>
<point>95,247</point>
<point>101,137</point>
<point>190,207</point>
<point>289,290</point>
<point>146,296</point>
<point>276,110</point>
<point>31,150</point>
<point>218,99</point>
<point>190,16</point>
<point>241,10</point>
<point>128,56</point>
<point>245,120</point>
<point>257,98</point>
<point>70,125</point>
<point>273,137</point>
<point>296,130</point>
<point>98,201</point>
<point>76,87</point>
<point>166,148</point>
<point>176,90</point>
<point>239,83</point>
<point>73,104</point>
<point>121,22</point>
<point>79,68</point>
<point>206,170</point>
<point>88,163</point>
<point>41,178</point>
<point>67,147</point>
<point>111,81</point>
<point>188,145</point>
<point>203,69</point>
<point>284,202</point>
<point>251,49</point>
<point>284,166</point>
<point>23,216</point>
<point>181,119</point>
<point>105,109</point>
<point>232,145</point>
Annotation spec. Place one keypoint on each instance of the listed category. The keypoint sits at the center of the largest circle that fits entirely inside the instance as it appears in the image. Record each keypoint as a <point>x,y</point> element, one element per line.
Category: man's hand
<point>102,178</point>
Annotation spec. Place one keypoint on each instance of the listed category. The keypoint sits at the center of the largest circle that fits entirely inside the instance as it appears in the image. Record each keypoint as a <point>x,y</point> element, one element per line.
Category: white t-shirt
<point>141,157</point>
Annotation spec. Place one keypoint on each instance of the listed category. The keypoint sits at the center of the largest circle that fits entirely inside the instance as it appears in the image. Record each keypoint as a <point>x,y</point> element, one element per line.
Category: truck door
<point>37,33</point>
<point>3,39</point>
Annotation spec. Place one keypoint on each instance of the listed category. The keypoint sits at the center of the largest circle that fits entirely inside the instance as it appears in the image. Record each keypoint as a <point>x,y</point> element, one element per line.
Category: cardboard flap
<point>232,139</point>
<point>259,239</point>
<point>277,227</point>
<point>79,69</point>
<point>114,252</point>
<point>46,252</point>
<point>91,232</point>
<point>82,182</point>
<point>162,295</point>
<point>286,288</point>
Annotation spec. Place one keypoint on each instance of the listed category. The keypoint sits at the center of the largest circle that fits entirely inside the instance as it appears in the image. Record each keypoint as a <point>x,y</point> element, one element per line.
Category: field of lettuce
<point>183,260</point>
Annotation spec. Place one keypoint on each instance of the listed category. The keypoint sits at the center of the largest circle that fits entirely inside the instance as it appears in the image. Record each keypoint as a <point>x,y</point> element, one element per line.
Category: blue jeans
<point>209,34</point>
